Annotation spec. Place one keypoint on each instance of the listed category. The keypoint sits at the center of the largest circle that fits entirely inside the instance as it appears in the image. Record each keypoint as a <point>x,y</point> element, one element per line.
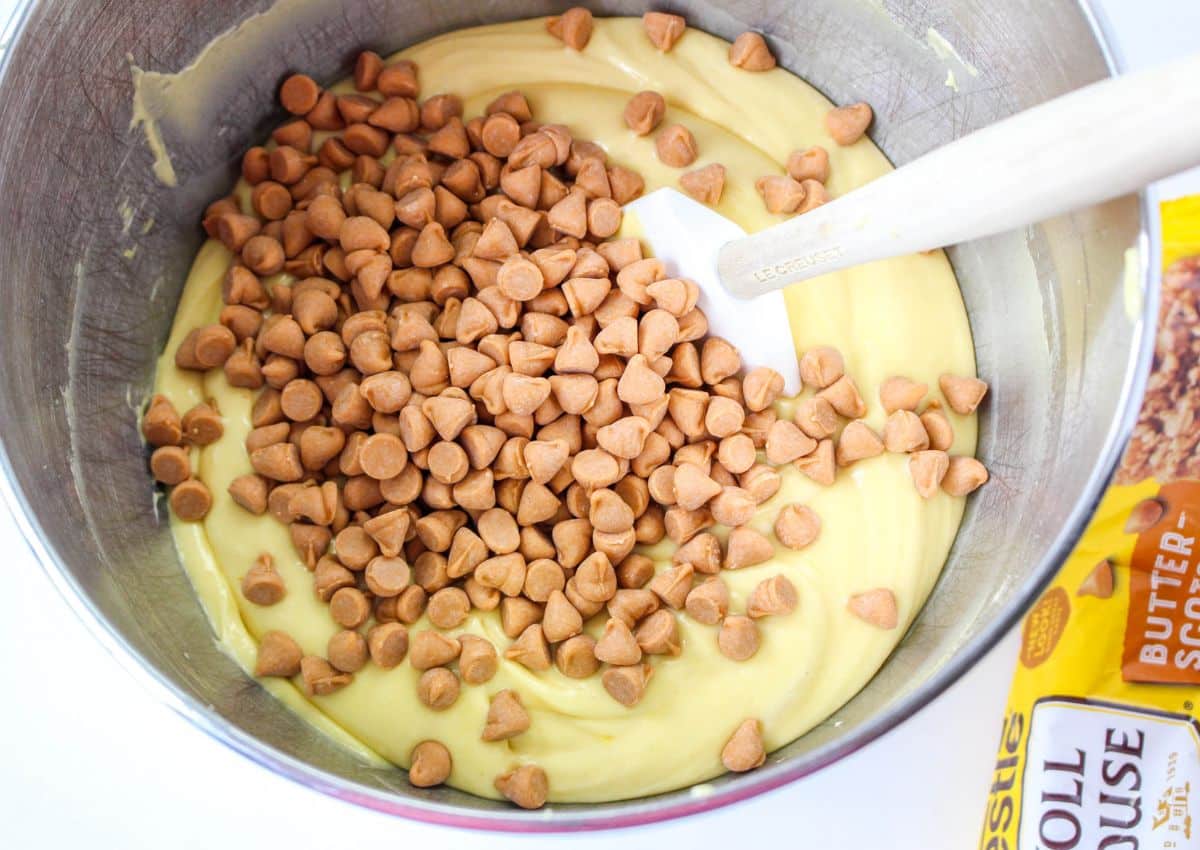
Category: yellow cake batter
<point>897,317</point>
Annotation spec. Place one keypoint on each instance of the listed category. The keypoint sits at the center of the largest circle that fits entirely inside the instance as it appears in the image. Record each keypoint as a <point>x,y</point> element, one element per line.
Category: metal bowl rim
<point>685,801</point>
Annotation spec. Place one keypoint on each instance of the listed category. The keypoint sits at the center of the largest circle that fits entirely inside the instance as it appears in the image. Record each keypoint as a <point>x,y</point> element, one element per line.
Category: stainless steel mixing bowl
<point>83,315</point>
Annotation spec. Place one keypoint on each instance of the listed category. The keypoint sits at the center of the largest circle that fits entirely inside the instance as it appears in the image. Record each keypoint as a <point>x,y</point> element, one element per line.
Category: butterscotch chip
<point>736,453</point>
<point>329,576</point>
<point>857,442</point>
<point>724,417</point>
<point>575,657</point>
<point>693,487</point>
<point>586,607</point>
<point>703,552</point>
<point>848,124</point>
<point>705,184</point>
<point>535,545</point>
<point>594,468</point>
<point>161,425</point>
<point>448,608</point>
<point>202,425</point>
<point>627,685</point>
<point>171,465</point>
<point>1098,582</point>
<point>758,425</point>
<point>349,607</point>
<point>278,655</point>
<point>483,598</point>
<point>786,442</point>
<point>937,426</point>
<point>820,466</point>
<point>816,417</point>
<point>845,398</point>
<point>617,645</point>
<point>897,393</point>
<point>1145,514</point>
<point>772,596</point>
<point>609,513</point>
<point>448,462</point>
<point>190,500</point>
<point>687,409</point>
<point>320,679</point>
<point>347,651</point>
<point>928,469</point>
<point>387,644</point>
<point>560,620</point>
<point>809,164</point>
<point>962,394</point>
<point>744,750</point>
<point>678,297</point>
<point>530,649</point>
<point>573,28</point>
<point>877,607</point>
<point>538,504</point>
<point>250,492</point>
<point>355,548</point>
<point>262,584</point>
<point>526,786</point>
<point>506,717</point>
<point>410,604</point>
<point>681,525</point>
<point>672,584</point>
<point>797,526</point>
<point>430,764</point>
<point>747,547</point>
<point>569,216</point>
<point>467,551</point>
<point>506,573</point>
<point>382,456</point>
<point>604,217</point>
<point>708,602</point>
<point>738,638</point>
<point>820,367</point>
<point>595,579</point>
<point>206,348</point>
<point>658,634</point>
<point>733,507</point>
<point>676,146</point>
<point>634,572</point>
<point>499,531</point>
<point>625,438</point>
<point>903,432</point>
<point>749,52</point>
<point>438,688</point>
<point>780,193</point>
<point>631,605</point>
<point>964,475</point>
<point>477,662</point>
<point>429,649</point>
<point>644,112</point>
<point>523,394</point>
<point>310,541</point>
<point>760,388</point>
<point>663,29</point>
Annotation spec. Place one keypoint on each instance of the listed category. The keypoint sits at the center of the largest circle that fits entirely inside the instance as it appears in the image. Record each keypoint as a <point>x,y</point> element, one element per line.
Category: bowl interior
<point>98,249</point>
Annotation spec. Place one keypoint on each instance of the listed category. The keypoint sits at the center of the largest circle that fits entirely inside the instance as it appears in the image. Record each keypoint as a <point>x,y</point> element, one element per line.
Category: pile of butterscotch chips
<point>472,397</point>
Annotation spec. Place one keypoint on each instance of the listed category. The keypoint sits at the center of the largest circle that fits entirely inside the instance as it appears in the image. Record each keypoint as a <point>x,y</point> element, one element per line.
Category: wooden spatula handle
<point>1097,143</point>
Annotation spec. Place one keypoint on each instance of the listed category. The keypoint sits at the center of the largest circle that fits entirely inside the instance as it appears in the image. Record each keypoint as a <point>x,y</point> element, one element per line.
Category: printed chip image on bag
<point>1100,743</point>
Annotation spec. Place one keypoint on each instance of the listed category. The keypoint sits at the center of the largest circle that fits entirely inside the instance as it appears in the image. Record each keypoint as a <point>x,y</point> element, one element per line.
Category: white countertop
<point>89,758</point>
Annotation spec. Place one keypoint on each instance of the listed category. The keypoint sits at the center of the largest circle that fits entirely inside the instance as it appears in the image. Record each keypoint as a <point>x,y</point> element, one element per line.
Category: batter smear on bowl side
<point>458,472</point>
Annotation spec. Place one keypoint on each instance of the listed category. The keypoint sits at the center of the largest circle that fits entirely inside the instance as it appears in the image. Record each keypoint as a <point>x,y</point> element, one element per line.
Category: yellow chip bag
<point>1100,746</point>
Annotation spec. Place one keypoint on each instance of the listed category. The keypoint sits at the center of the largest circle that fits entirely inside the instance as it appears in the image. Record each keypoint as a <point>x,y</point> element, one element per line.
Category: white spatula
<point>1097,143</point>
<point>1100,142</point>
